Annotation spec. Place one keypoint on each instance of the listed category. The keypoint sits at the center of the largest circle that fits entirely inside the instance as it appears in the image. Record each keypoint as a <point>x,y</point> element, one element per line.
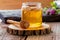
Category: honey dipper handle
<point>13,22</point>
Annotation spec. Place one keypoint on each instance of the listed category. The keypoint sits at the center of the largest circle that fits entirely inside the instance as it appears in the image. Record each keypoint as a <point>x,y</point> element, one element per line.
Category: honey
<point>33,15</point>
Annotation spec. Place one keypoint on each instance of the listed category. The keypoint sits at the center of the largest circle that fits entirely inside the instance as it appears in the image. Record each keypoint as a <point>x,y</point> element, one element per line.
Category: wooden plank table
<point>53,36</point>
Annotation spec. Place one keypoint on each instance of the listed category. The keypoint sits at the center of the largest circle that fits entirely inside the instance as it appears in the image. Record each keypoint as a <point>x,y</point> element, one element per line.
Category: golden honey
<point>32,15</point>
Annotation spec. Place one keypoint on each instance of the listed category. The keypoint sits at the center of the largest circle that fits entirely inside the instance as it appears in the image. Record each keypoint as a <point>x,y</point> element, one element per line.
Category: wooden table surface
<point>53,36</point>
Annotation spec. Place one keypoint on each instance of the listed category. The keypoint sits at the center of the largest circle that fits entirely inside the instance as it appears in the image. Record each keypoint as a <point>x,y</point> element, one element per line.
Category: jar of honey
<point>32,13</point>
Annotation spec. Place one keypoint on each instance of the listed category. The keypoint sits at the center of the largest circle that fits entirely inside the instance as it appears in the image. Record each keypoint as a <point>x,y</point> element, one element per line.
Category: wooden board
<point>45,29</point>
<point>16,4</point>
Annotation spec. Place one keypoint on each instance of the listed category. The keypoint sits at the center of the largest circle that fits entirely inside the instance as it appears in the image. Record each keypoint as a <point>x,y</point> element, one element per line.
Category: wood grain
<point>16,4</point>
<point>53,36</point>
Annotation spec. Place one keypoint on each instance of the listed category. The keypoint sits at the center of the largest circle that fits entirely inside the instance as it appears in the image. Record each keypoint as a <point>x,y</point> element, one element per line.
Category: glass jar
<point>32,13</point>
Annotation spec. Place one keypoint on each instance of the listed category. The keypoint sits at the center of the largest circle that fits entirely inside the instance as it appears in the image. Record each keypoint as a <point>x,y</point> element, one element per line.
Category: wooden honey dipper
<point>22,24</point>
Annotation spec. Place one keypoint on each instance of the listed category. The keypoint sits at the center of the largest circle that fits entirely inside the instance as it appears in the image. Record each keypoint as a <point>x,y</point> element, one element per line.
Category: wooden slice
<point>45,29</point>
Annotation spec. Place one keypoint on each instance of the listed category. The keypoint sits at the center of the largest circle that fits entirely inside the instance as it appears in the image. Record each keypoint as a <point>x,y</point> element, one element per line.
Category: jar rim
<point>31,3</point>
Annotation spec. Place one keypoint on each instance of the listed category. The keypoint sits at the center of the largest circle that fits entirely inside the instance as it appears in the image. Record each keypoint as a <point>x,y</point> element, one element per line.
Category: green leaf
<point>53,4</point>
